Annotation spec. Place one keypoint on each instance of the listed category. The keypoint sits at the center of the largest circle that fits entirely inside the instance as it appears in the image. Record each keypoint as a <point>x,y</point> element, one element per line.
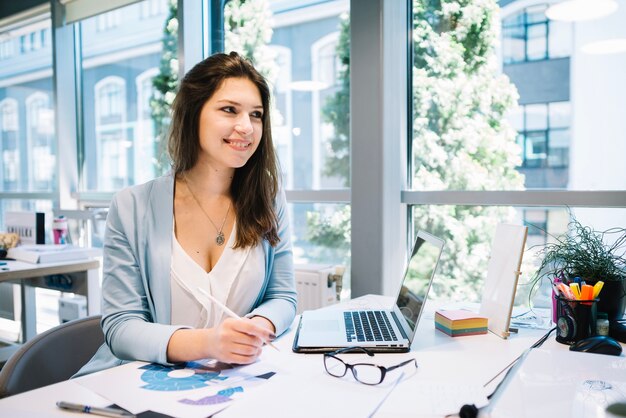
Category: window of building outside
<point>27,134</point>
<point>121,53</point>
<point>529,35</point>
<point>470,132</point>
<point>543,134</point>
<point>304,54</point>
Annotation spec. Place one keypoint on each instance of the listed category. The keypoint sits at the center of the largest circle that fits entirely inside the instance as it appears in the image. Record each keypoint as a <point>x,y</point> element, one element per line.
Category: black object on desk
<point>599,344</point>
<point>617,330</point>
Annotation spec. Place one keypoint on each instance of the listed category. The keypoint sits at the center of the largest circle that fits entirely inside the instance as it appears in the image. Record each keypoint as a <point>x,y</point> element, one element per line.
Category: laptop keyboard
<point>368,326</point>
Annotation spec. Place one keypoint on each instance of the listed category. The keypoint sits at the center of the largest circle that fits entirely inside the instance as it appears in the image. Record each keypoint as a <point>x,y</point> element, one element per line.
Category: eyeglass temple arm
<point>402,364</point>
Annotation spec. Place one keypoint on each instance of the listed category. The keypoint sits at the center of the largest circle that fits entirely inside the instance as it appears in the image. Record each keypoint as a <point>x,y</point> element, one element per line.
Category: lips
<point>238,144</point>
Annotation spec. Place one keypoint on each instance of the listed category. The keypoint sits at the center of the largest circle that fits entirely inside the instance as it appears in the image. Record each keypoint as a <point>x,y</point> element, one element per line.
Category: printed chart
<point>194,389</point>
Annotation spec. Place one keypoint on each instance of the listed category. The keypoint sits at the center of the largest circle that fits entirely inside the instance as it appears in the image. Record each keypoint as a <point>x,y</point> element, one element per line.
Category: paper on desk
<point>314,396</point>
<point>555,383</point>
<point>430,398</point>
<point>198,390</point>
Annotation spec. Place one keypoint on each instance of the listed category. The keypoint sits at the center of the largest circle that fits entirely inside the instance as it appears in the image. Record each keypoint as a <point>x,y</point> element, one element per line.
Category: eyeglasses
<point>366,373</point>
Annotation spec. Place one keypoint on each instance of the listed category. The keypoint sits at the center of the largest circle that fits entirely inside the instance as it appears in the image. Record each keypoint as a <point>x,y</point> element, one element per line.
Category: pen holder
<point>576,319</point>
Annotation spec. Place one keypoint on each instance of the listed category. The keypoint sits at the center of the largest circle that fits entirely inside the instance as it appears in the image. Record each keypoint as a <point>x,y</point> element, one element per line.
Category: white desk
<point>80,277</point>
<point>468,358</point>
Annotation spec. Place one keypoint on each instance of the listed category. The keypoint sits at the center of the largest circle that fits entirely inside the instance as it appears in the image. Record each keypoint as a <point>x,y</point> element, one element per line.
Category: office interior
<point>385,123</point>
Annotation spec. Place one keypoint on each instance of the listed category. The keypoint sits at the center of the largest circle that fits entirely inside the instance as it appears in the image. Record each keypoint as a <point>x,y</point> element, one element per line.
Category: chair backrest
<point>52,356</point>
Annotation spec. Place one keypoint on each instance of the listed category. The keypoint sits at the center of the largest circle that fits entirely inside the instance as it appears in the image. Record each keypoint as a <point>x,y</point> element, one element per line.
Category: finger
<point>249,327</point>
<point>246,350</point>
<point>243,355</point>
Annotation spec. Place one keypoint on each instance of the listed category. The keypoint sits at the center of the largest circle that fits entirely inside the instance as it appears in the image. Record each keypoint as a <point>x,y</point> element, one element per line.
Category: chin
<point>238,162</point>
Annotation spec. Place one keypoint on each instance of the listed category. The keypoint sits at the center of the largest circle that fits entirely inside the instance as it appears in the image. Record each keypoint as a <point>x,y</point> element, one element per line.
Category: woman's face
<point>231,124</point>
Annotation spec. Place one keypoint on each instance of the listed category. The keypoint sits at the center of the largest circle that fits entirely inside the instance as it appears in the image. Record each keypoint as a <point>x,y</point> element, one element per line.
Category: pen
<point>575,289</point>
<point>227,311</point>
<point>597,288</point>
<point>105,412</point>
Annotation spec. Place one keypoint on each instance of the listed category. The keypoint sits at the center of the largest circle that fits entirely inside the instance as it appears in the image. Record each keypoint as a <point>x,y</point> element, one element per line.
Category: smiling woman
<point>216,223</point>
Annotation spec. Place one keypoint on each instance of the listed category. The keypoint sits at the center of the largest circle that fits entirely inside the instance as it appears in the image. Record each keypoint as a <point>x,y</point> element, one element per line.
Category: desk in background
<point>80,276</point>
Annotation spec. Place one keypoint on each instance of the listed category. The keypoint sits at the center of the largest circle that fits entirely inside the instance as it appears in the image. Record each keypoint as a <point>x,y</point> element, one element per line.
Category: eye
<point>229,109</point>
<point>257,115</point>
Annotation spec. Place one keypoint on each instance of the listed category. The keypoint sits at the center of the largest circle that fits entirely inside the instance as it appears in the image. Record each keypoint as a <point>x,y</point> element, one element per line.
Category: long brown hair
<point>254,185</point>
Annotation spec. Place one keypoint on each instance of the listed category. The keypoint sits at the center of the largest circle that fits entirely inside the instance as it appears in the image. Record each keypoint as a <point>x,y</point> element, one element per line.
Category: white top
<point>235,281</point>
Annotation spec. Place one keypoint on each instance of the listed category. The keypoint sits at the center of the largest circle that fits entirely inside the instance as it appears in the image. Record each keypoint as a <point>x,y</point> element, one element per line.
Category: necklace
<point>219,239</point>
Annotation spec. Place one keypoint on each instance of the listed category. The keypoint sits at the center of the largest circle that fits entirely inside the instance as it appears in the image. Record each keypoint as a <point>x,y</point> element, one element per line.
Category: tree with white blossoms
<point>165,84</point>
<point>247,29</point>
<point>461,139</point>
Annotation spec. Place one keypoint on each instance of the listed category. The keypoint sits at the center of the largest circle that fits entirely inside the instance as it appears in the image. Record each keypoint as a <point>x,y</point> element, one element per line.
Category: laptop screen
<point>418,278</point>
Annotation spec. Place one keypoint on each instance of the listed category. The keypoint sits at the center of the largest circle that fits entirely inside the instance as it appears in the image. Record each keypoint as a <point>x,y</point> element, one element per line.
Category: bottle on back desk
<point>59,230</point>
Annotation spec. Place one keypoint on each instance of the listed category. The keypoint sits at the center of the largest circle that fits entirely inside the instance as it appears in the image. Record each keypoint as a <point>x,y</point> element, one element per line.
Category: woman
<point>216,223</point>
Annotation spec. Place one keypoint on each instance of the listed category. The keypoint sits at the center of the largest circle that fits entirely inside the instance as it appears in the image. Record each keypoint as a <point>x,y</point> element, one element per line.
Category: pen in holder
<point>576,319</point>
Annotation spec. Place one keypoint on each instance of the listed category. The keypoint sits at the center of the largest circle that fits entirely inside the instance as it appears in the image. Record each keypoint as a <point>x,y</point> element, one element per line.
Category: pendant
<point>219,239</point>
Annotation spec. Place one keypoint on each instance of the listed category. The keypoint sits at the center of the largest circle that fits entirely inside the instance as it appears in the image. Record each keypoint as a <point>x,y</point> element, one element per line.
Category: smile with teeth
<point>238,144</point>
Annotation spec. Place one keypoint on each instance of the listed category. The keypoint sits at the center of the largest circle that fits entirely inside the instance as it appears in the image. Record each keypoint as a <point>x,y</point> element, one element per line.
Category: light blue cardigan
<point>136,300</point>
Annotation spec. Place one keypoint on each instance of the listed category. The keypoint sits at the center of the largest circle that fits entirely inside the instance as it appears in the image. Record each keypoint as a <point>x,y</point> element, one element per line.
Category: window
<point>544,136</point>
<point>40,139</point>
<point>305,61</point>
<point>108,20</point>
<point>144,134</point>
<point>327,75</point>
<point>111,143</point>
<point>474,149</point>
<point>117,73</point>
<point>530,36</point>
<point>10,144</point>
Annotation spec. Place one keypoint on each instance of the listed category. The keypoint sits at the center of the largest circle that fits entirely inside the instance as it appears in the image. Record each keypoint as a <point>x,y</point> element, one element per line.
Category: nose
<point>244,125</point>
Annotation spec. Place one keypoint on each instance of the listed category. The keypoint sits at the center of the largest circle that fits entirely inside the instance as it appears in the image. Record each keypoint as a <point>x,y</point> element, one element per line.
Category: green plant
<point>585,253</point>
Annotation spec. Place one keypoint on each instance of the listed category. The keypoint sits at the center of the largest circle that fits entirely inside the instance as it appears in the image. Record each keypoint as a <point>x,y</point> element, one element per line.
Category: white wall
<point>598,83</point>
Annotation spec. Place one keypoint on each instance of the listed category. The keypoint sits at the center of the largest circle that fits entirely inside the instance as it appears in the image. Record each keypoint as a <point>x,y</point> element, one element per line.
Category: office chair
<point>52,356</point>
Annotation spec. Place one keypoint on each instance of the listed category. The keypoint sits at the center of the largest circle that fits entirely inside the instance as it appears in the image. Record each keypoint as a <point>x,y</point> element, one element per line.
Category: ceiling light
<point>609,46</point>
<point>579,10</point>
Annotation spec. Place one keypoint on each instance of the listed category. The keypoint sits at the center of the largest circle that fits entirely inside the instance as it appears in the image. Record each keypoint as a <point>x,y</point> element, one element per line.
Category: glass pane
<point>559,146</point>
<point>513,44</point>
<point>536,117</point>
<point>536,14</point>
<point>27,127</point>
<point>321,235</point>
<point>468,232</point>
<point>560,39</point>
<point>302,48</point>
<point>457,145</point>
<point>123,53</point>
<point>560,115</point>
<point>537,47</point>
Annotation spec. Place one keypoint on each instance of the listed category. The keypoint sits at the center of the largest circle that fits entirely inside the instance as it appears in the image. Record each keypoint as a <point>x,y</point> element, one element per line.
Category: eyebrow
<point>238,104</point>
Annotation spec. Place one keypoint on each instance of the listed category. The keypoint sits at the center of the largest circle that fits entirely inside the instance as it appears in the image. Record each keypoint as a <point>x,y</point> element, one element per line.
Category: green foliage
<point>583,252</point>
<point>165,85</point>
<point>247,31</point>
<point>337,112</point>
<point>461,139</point>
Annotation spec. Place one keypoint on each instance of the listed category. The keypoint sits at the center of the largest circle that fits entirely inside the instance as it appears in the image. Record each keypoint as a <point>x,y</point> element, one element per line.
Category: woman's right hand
<point>237,341</point>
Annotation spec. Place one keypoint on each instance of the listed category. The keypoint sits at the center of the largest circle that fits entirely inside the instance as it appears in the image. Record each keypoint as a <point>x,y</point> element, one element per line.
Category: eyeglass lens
<point>334,366</point>
<point>364,373</point>
<point>367,373</point>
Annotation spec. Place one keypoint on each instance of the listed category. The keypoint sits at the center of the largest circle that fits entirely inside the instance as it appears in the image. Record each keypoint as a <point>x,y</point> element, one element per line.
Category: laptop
<point>382,330</point>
